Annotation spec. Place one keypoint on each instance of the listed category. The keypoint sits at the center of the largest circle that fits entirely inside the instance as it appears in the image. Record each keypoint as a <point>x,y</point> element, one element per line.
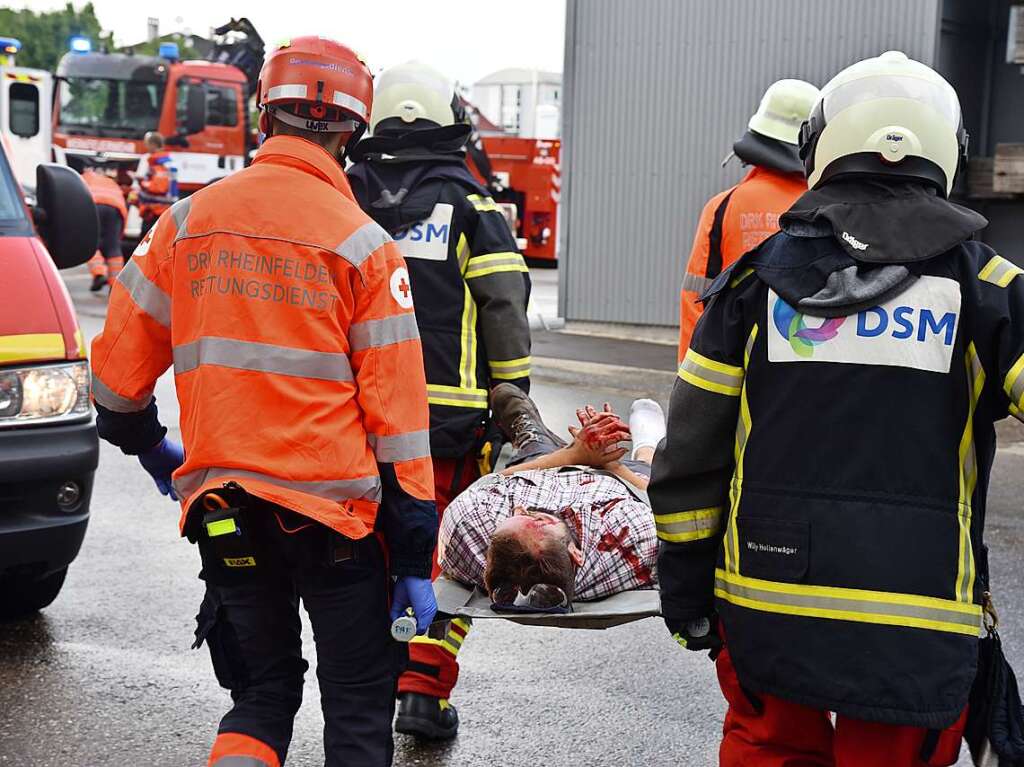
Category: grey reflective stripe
<point>390,330</point>
<point>692,525</point>
<point>240,761</point>
<point>853,607</point>
<point>749,347</point>
<point>691,365</point>
<point>146,295</point>
<point>401,447</point>
<point>362,242</point>
<point>999,271</point>
<point>456,396</point>
<point>111,400</point>
<point>494,263</point>
<point>696,283</point>
<point>266,358</point>
<point>365,488</point>
<point>179,212</point>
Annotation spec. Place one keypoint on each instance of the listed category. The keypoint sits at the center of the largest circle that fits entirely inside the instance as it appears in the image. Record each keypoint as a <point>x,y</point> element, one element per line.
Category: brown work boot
<point>519,420</point>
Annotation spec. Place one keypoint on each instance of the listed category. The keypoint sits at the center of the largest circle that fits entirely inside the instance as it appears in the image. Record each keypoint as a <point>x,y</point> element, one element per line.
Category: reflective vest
<point>472,289</point>
<point>105,191</point>
<point>823,483</point>
<point>732,223</point>
<point>160,186</point>
<point>288,317</point>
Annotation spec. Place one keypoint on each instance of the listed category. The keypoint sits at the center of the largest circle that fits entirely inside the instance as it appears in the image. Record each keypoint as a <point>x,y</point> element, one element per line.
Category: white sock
<point>647,424</point>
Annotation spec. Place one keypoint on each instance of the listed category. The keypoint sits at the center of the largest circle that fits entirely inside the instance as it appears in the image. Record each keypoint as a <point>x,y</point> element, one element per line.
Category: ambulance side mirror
<point>65,215</point>
<point>195,109</point>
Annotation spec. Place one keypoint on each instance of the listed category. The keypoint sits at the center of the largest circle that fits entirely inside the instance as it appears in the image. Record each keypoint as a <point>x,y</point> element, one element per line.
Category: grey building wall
<point>656,91</point>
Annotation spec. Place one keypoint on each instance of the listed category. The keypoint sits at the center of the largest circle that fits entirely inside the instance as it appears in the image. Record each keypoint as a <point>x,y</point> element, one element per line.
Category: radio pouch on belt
<point>226,540</point>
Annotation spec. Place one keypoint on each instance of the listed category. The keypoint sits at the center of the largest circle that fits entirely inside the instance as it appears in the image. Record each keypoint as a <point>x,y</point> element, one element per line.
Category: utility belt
<point>242,537</point>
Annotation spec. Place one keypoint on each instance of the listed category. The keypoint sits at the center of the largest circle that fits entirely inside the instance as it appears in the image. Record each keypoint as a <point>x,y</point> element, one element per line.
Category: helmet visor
<point>940,96</point>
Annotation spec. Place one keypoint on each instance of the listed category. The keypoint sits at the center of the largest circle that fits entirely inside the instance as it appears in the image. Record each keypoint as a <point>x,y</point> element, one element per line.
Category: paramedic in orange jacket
<point>742,217</point>
<point>287,316</point>
<point>112,213</point>
<point>158,188</point>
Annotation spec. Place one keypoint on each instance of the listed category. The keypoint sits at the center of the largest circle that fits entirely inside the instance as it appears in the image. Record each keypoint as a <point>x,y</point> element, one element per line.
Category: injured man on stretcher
<point>565,521</point>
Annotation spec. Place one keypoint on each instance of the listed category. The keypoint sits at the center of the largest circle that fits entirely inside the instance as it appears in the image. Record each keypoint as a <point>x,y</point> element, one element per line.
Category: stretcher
<point>455,599</point>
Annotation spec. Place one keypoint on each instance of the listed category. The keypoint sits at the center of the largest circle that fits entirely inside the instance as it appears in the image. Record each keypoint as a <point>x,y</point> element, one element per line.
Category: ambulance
<point>48,443</point>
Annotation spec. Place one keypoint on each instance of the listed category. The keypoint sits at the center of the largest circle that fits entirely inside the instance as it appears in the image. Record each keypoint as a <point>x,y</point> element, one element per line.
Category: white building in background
<point>522,102</point>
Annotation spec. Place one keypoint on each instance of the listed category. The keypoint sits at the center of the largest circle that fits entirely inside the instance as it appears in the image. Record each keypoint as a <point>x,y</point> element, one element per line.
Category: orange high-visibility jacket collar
<point>309,156</point>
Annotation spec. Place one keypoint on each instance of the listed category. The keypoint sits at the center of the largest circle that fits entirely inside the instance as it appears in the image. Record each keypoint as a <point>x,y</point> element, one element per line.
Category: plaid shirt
<point>615,531</point>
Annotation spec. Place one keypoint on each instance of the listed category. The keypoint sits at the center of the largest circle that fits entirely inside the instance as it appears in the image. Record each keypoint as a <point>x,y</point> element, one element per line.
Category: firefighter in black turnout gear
<point>471,289</point>
<point>820,496</point>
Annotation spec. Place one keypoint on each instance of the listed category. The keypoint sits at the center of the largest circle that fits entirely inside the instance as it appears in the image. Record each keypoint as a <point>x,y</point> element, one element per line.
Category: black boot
<point>426,717</point>
<point>98,283</point>
<point>519,420</point>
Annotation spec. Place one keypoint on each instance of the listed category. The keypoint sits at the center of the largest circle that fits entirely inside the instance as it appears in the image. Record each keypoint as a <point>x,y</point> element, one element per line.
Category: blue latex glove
<point>160,462</point>
<point>417,593</point>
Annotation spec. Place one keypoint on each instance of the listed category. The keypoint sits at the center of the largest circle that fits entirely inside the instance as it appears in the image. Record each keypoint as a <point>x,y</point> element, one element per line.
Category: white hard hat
<point>414,91</point>
<point>784,107</point>
<point>886,115</point>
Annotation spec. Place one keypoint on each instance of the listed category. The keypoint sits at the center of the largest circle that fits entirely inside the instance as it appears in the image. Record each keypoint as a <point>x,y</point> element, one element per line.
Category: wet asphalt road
<point>105,676</point>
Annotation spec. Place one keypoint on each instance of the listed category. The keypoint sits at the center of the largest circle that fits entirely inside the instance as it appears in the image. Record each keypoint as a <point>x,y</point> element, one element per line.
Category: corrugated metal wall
<point>656,91</point>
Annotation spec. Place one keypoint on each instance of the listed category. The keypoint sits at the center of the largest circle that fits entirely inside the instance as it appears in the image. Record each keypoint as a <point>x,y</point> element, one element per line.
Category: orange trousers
<point>776,733</point>
<point>105,267</point>
<point>433,659</point>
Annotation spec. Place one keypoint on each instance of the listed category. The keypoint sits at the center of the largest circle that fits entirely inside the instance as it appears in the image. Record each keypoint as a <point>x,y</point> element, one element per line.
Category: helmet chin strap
<point>312,125</point>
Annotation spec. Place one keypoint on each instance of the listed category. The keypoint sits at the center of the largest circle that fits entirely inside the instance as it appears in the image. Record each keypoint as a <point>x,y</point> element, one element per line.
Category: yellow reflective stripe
<point>462,253</point>
<point>444,644</point>
<point>454,639</point>
<point>968,478</point>
<point>467,359</point>
<point>456,396</point>
<point>999,271</point>
<point>740,277</point>
<point>83,350</point>
<point>495,270</point>
<point>711,375</point>
<point>491,258</point>
<point>28,347</point>
<point>743,426</point>
<point>491,263</point>
<point>465,625</point>
<point>508,370</point>
<point>511,376</point>
<point>693,525</point>
<point>857,605</point>
<point>1013,384</point>
<point>510,363</point>
<point>482,204</point>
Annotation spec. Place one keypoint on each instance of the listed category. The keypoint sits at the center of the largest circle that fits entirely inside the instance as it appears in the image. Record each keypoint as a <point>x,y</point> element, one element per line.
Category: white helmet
<point>886,115</point>
<point>415,91</point>
<point>784,107</point>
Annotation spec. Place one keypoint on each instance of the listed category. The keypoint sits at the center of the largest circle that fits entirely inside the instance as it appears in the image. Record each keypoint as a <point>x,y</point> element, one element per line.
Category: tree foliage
<point>44,35</point>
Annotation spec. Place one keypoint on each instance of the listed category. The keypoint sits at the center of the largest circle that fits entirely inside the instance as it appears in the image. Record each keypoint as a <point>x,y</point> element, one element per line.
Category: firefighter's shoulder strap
<point>714,267</point>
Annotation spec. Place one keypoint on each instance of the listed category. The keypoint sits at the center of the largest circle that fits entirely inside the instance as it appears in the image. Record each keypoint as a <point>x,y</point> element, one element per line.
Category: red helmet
<point>316,84</point>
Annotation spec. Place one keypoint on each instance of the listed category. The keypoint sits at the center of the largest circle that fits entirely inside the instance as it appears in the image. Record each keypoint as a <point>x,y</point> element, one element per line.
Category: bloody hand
<point>597,437</point>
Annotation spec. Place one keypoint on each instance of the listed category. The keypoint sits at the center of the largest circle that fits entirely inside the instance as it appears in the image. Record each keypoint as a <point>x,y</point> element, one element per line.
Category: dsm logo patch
<point>916,329</point>
<point>428,239</point>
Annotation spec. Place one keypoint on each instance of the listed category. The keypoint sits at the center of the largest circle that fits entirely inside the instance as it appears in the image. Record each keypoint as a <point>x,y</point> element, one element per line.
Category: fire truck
<point>105,103</point>
<point>524,177</point>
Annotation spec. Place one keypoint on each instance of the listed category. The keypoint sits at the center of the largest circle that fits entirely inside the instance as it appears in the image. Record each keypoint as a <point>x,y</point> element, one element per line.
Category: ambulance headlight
<point>44,394</point>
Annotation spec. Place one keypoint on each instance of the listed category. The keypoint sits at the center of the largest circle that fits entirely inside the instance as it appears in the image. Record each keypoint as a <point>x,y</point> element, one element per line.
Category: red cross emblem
<point>401,290</point>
